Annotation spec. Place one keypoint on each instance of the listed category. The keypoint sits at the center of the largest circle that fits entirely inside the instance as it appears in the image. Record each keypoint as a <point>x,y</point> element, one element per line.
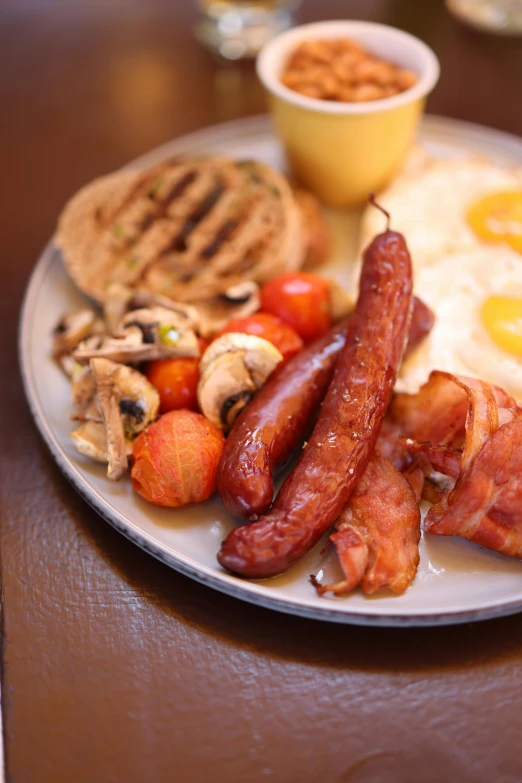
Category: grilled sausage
<point>273,424</point>
<point>314,494</point>
<point>276,421</point>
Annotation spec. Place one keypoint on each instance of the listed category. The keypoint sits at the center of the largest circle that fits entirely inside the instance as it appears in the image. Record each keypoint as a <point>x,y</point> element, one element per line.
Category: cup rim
<point>428,74</point>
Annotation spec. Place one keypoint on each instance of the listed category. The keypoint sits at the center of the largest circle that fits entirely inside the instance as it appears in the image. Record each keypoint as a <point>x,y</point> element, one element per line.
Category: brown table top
<point>116,668</point>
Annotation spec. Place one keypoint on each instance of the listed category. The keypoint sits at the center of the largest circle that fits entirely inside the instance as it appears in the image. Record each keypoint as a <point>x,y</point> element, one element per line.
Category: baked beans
<point>343,70</point>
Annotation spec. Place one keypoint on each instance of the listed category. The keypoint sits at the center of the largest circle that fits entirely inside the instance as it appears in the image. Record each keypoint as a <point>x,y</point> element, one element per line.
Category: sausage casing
<point>314,494</point>
<point>273,424</point>
<point>277,420</point>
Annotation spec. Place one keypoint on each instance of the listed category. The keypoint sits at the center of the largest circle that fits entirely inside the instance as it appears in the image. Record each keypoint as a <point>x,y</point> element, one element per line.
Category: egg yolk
<point>498,218</point>
<point>502,317</point>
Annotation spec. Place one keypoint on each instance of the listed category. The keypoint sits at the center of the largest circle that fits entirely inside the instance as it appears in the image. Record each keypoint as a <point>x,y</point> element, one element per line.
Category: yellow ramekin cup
<point>345,151</point>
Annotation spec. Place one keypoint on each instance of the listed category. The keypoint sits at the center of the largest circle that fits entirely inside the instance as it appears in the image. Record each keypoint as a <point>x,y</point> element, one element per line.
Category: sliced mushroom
<point>90,439</point>
<point>238,301</point>
<point>82,387</point>
<point>67,363</point>
<point>71,329</point>
<point>231,370</point>
<point>83,392</point>
<point>138,400</point>
<point>144,335</point>
<point>340,302</point>
<point>104,372</point>
<point>127,404</point>
<point>91,343</point>
<point>91,413</point>
<point>147,299</point>
<point>125,348</point>
<point>115,305</point>
<point>121,298</point>
<point>170,331</point>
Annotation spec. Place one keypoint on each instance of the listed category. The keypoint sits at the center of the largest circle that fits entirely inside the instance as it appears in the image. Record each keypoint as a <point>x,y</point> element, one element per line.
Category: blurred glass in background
<point>496,16</point>
<point>236,29</point>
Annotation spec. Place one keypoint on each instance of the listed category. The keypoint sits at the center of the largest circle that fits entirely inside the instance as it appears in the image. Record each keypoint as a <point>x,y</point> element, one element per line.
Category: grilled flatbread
<point>187,228</point>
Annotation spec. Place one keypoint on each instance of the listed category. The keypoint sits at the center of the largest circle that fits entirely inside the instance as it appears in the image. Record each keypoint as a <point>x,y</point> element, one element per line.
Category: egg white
<point>455,289</point>
<point>428,203</point>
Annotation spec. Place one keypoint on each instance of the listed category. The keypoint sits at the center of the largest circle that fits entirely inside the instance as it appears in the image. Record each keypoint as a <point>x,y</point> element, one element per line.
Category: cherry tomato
<point>176,459</point>
<point>302,300</point>
<point>270,328</point>
<point>176,381</point>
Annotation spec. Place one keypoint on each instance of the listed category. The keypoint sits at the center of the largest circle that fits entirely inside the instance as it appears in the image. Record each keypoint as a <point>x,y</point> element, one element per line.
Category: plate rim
<point>251,592</point>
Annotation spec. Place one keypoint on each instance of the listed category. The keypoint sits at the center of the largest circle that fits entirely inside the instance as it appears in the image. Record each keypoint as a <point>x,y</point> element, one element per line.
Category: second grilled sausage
<point>273,425</point>
<point>344,437</point>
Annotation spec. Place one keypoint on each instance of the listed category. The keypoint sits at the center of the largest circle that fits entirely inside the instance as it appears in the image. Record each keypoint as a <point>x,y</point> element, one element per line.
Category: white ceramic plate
<point>457,581</point>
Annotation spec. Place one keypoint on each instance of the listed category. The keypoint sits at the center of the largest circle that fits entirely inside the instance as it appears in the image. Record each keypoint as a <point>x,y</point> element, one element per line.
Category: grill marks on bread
<point>187,229</point>
<point>199,213</point>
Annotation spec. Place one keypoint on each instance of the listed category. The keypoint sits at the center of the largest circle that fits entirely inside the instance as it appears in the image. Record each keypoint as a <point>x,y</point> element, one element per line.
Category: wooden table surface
<point>116,668</point>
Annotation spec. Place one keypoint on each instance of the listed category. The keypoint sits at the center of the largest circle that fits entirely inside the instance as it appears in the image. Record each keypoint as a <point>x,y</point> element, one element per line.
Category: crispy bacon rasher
<point>485,506</point>
<point>484,503</point>
<point>377,538</point>
<point>443,459</point>
<point>435,415</point>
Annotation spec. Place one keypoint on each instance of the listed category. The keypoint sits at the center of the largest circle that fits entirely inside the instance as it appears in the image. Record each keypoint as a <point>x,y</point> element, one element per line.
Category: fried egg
<point>462,221</point>
<point>444,206</point>
<point>476,295</point>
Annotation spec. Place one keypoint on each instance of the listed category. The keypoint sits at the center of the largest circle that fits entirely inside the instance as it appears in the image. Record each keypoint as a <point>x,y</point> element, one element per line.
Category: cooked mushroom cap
<point>127,404</point>
<point>82,387</point>
<point>147,299</point>
<point>103,371</point>
<point>71,329</point>
<point>169,331</point>
<point>144,335</point>
<point>156,315</point>
<point>90,439</point>
<point>127,348</point>
<point>138,400</point>
<point>231,370</point>
<point>238,301</point>
<point>207,316</point>
<point>116,305</point>
<point>67,363</point>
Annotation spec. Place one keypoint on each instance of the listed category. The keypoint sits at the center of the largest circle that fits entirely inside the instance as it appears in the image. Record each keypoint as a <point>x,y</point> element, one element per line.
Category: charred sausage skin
<point>276,421</point>
<point>272,425</point>
<point>314,494</point>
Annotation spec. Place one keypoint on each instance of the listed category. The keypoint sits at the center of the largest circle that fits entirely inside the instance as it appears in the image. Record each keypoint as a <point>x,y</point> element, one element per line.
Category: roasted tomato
<point>176,459</point>
<point>302,300</point>
<point>176,381</point>
<point>270,328</point>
